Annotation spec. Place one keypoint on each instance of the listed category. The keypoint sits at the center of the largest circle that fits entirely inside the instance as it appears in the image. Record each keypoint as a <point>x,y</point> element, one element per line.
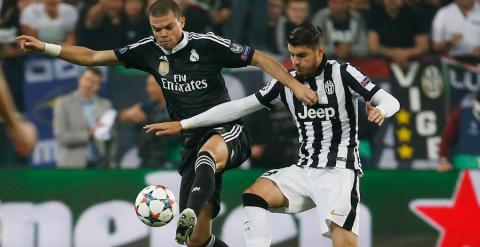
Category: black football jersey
<point>190,74</point>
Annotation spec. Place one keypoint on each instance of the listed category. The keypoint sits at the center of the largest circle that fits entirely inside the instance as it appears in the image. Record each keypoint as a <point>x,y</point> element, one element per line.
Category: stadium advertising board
<point>95,208</point>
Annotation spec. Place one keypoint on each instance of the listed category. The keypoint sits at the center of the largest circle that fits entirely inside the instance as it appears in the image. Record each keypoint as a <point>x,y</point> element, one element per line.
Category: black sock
<point>219,243</point>
<point>203,183</point>
<point>214,242</point>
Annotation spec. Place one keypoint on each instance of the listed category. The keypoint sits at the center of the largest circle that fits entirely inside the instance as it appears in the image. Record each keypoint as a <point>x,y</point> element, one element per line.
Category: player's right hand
<point>305,94</point>
<point>163,129</point>
<point>29,44</point>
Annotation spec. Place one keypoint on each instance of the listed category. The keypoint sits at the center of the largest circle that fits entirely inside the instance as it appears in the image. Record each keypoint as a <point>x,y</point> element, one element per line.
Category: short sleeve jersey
<point>190,74</point>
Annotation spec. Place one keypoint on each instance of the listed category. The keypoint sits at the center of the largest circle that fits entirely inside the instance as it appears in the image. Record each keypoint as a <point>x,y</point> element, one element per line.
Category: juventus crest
<point>329,87</point>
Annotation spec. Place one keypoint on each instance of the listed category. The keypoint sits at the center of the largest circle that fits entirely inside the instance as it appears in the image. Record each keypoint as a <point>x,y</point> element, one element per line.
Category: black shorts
<point>238,143</point>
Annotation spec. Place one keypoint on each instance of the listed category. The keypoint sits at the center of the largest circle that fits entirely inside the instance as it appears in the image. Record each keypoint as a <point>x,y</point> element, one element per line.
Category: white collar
<point>178,47</point>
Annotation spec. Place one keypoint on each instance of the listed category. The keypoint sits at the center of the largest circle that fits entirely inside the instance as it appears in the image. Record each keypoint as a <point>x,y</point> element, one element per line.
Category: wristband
<point>186,123</point>
<point>52,49</point>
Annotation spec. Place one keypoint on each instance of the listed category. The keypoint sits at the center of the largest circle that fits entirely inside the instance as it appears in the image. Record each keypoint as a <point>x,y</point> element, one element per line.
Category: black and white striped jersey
<point>328,130</point>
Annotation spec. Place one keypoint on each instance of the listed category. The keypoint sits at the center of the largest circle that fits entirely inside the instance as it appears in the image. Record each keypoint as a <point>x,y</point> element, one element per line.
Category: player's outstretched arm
<point>277,71</point>
<point>222,113</point>
<point>73,54</point>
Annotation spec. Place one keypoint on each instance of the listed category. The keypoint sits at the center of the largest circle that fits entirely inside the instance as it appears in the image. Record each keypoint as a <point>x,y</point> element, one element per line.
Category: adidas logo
<point>196,189</point>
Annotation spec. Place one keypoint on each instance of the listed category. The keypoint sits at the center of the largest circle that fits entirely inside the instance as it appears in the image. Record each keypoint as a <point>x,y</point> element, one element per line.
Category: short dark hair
<point>163,7</point>
<point>297,1</point>
<point>306,34</point>
<point>94,70</point>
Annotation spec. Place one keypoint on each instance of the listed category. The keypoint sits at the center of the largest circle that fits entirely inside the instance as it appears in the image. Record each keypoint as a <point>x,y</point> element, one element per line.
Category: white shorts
<point>333,191</point>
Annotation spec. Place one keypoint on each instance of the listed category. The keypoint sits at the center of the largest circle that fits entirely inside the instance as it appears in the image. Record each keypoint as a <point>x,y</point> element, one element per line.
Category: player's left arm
<point>384,104</point>
<point>277,71</point>
<point>233,55</point>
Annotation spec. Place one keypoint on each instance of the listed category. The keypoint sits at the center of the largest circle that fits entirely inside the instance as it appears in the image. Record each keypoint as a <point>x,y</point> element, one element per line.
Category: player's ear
<point>320,50</point>
<point>182,20</point>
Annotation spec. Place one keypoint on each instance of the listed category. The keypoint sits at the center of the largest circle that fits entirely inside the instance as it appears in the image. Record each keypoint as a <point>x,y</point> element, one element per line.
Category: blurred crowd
<point>400,31</point>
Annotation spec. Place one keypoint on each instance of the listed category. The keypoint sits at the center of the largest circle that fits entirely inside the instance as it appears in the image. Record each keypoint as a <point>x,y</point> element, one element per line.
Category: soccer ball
<point>156,205</point>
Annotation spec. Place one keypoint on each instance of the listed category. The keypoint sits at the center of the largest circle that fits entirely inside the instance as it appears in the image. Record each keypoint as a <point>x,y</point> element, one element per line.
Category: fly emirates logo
<point>181,84</point>
<point>322,113</point>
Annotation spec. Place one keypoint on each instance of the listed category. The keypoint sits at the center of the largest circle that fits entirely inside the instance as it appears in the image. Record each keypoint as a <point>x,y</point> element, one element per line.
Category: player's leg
<point>342,237</point>
<point>337,196</point>
<point>211,158</point>
<point>257,199</point>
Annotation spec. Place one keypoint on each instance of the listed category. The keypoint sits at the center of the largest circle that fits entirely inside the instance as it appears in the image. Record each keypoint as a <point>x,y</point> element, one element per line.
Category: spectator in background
<point>429,8</point>
<point>460,145</point>
<point>12,56</point>
<point>456,29</point>
<point>345,30</point>
<point>197,18</point>
<point>220,13</point>
<point>100,26</point>
<point>135,23</point>
<point>50,20</point>
<point>397,32</point>
<point>248,23</point>
<point>296,13</point>
<point>153,150</point>
<point>76,121</point>
<point>274,12</point>
<point>361,6</point>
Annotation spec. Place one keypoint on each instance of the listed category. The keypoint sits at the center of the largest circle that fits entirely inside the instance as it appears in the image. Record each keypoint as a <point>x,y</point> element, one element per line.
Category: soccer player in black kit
<point>187,66</point>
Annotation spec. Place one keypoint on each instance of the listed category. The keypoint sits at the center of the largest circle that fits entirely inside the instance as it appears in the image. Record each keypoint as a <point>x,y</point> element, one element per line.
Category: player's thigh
<point>342,237</point>
<point>269,191</point>
<point>203,229</point>
<point>217,147</point>
<point>336,194</point>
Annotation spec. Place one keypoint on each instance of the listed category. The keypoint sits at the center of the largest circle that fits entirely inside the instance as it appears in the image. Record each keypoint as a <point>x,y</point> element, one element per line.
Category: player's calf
<point>256,221</point>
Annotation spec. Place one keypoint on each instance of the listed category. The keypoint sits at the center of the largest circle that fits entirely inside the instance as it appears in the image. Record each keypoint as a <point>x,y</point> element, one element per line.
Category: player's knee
<point>218,149</point>
<point>254,200</point>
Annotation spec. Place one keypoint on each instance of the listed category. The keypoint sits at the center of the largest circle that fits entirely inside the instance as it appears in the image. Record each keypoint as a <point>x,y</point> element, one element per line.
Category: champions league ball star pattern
<point>458,219</point>
<point>156,205</point>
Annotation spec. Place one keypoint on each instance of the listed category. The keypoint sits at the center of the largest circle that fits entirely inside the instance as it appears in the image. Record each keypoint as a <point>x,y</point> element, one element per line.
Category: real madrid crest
<point>163,68</point>
<point>329,87</point>
<point>194,56</point>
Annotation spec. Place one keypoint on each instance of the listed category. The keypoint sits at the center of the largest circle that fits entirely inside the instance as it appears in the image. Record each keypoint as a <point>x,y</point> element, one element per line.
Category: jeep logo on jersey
<point>163,68</point>
<point>329,87</point>
<point>194,56</point>
<point>320,113</point>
